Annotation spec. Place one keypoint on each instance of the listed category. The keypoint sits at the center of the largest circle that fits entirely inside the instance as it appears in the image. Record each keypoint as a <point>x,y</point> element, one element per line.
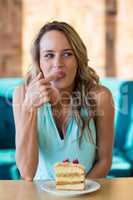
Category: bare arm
<point>25,104</point>
<point>26,137</point>
<point>105,133</point>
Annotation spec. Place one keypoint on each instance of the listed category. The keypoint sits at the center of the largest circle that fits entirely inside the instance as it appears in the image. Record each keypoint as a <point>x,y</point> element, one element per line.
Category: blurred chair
<point>122,164</point>
<point>8,169</point>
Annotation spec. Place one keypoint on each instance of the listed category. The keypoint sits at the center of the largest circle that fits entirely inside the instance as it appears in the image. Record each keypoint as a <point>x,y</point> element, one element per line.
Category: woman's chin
<point>60,85</point>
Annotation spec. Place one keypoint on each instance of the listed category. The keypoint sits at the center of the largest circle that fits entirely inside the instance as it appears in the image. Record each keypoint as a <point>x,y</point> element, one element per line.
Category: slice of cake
<point>69,175</point>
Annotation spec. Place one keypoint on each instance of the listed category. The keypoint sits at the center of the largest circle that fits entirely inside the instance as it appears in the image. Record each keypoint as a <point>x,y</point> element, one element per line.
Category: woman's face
<point>56,55</point>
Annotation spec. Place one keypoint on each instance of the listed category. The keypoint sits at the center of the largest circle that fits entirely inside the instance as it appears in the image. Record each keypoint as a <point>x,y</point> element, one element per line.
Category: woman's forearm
<point>99,170</point>
<point>26,143</point>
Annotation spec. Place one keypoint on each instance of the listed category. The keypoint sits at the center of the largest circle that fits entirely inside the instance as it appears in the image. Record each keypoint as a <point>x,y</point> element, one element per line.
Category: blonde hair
<point>86,80</point>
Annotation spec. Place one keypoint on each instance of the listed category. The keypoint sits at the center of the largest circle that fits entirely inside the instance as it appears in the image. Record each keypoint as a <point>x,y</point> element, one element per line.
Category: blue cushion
<point>8,169</point>
<point>123,97</point>
<point>121,167</point>
<point>123,146</point>
<point>7,156</point>
<point>7,128</point>
<point>128,148</point>
<point>7,86</point>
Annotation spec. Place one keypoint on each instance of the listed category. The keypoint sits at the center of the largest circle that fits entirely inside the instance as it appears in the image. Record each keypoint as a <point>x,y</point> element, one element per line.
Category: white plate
<point>49,186</point>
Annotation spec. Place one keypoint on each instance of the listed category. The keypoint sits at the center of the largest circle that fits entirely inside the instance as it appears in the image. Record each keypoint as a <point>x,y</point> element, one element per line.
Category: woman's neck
<point>65,95</point>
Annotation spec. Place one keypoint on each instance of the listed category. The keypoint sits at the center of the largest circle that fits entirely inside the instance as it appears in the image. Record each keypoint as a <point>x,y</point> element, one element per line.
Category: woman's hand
<point>41,91</point>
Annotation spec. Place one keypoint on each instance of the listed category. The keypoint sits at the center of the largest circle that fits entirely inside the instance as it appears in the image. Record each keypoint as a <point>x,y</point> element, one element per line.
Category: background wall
<point>10,37</point>
<point>85,16</point>
<point>104,25</point>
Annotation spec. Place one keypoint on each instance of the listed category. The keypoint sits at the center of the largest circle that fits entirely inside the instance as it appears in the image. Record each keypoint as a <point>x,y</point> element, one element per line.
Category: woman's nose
<point>58,61</point>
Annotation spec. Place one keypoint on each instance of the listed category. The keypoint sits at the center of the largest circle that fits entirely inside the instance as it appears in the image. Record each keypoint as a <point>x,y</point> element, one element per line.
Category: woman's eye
<point>67,54</point>
<point>49,55</point>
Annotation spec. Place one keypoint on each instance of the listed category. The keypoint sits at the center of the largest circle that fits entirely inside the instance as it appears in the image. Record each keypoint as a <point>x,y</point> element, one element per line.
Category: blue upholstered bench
<point>122,164</point>
<point>8,169</point>
<point>122,91</point>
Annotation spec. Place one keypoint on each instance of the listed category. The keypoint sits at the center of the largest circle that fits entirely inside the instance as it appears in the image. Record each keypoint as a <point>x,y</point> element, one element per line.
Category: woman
<point>62,112</point>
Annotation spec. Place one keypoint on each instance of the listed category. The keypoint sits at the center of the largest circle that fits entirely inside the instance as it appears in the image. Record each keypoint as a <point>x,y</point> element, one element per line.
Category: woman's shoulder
<point>103,95</point>
<point>19,93</point>
<point>100,89</point>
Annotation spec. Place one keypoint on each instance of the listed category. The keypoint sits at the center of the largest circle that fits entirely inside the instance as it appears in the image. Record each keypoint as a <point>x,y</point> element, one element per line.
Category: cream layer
<point>68,169</point>
<point>70,179</point>
<point>69,175</point>
<point>80,186</point>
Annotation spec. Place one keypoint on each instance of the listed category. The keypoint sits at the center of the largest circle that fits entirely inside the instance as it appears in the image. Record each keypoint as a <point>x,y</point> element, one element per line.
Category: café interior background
<point>104,25</point>
<point>106,28</point>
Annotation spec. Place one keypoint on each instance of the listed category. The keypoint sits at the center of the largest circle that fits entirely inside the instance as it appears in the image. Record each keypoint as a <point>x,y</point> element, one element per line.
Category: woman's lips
<point>60,73</point>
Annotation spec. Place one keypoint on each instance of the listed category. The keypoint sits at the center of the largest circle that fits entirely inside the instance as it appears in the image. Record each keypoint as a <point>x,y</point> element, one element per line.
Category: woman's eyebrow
<point>47,51</point>
<point>51,51</point>
<point>67,50</point>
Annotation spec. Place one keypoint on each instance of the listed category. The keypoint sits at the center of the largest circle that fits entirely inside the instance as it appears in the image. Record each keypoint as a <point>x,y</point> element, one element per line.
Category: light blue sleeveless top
<point>53,149</point>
